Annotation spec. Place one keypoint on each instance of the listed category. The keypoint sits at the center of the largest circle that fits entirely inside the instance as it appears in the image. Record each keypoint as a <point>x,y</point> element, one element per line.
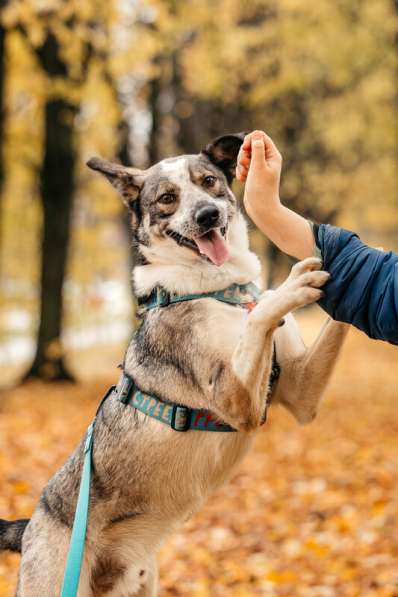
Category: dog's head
<point>181,207</point>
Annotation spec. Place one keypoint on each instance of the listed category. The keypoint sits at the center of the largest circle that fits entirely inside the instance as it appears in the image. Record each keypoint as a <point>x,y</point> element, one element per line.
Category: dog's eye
<point>167,198</point>
<point>209,181</point>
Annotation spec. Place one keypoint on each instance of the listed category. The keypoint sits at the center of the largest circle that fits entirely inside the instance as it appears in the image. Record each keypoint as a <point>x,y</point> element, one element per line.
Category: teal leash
<point>74,560</point>
<point>78,537</point>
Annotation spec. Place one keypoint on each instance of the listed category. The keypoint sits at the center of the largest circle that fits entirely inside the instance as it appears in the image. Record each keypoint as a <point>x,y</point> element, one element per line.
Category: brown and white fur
<point>147,478</point>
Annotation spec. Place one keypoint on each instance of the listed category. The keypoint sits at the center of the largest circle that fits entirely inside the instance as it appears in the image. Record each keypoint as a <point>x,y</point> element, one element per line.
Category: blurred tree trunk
<point>272,258</point>
<point>2,121</point>
<point>57,188</point>
<point>155,89</point>
<point>123,155</point>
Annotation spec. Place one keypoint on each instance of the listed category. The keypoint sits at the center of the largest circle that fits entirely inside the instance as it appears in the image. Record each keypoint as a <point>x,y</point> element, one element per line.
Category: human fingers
<point>247,142</point>
<point>258,149</point>
<point>244,158</point>
<point>271,150</point>
<point>241,174</point>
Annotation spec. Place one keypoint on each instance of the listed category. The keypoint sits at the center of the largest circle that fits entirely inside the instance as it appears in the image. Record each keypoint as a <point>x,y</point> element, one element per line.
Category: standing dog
<point>148,479</point>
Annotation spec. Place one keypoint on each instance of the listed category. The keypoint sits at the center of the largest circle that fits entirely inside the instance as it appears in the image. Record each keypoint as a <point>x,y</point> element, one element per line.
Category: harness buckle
<point>180,418</point>
<point>124,391</point>
<point>163,298</point>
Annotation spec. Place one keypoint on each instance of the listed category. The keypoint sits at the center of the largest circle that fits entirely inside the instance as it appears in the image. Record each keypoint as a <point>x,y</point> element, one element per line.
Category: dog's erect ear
<point>128,181</point>
<point>223,152</point>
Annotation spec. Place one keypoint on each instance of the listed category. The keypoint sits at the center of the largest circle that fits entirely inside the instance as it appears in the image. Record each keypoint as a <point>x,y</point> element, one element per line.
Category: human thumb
<point>258,151</point>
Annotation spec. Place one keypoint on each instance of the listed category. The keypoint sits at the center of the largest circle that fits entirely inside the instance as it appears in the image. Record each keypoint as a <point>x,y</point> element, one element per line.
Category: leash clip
<point>180,418</point>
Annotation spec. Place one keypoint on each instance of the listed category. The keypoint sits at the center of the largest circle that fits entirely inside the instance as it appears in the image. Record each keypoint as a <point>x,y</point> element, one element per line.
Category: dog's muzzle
<point>208,217</point>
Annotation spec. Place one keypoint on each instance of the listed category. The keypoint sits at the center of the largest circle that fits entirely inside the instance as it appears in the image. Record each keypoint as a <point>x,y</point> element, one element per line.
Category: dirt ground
<point>312,512</point>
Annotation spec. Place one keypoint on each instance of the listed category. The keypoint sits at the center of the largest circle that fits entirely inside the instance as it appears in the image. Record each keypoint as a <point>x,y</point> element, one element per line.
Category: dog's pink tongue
<point>213,246</point>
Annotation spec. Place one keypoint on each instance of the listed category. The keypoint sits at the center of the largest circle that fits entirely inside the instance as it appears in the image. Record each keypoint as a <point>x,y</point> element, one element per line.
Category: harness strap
<point>74,559</point>
<point>236,294</point>
<point>177,416</point>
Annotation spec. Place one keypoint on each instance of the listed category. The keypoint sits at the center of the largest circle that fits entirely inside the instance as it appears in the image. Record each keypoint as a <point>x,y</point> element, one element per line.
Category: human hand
<point>259,164</point>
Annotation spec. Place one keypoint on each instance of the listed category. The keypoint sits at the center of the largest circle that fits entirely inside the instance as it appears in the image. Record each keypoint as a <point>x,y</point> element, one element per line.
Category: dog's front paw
<point>303,286</point>
<point>305,281</point>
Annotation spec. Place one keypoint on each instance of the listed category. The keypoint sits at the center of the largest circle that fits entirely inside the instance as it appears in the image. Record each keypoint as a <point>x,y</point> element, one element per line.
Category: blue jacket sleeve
<point>363,289</point>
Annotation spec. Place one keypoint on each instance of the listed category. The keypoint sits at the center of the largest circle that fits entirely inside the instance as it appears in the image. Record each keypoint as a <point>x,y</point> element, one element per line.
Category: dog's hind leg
<point>44,549</point>
<point>306,371</point>
<point>150,586</point>
<point>133,582</point>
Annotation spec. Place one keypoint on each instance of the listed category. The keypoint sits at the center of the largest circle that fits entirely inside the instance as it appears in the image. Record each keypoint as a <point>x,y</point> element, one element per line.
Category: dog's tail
<point>11,534</point>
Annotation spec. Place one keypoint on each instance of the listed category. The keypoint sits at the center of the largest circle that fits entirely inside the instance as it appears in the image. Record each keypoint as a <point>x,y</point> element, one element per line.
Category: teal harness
<point>178,417</point>
<point>244,295</point>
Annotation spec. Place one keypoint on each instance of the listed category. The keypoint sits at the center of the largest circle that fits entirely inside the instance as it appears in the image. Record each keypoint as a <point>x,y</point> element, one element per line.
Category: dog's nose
<point>207,216</point>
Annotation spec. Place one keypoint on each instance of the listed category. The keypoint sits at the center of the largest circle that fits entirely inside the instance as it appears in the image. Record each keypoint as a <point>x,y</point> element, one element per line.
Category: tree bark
<point>155,88</point>
<point>57,189</point>
<point>2,121</point>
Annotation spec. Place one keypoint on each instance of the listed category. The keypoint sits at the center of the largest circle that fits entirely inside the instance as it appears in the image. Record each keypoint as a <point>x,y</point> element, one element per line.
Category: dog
<point>189,237</point>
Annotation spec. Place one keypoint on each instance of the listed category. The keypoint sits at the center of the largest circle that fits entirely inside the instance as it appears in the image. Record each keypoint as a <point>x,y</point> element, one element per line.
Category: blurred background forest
<point>140,80</point>
<point>137,81</point>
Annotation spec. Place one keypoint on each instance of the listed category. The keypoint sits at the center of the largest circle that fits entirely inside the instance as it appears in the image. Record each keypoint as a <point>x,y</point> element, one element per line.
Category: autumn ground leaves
<point>312,511</point>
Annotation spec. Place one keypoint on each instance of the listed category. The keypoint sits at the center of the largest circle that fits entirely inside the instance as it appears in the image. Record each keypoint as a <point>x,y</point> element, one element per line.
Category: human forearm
<point>259,165</point>
<point>290,232</point>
